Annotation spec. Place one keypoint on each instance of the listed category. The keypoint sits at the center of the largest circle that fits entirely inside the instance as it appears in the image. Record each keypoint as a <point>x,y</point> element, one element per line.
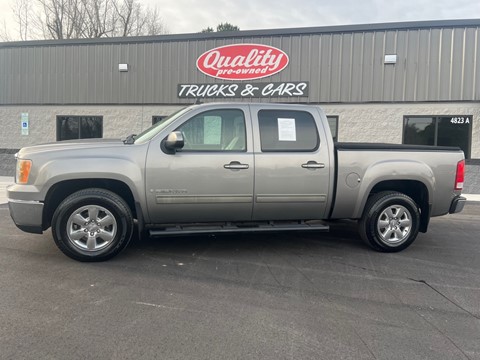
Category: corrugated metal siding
<point>434,64</point>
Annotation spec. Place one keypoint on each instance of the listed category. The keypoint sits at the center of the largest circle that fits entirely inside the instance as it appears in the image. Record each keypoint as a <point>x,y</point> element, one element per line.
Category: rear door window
<point>286,130</point>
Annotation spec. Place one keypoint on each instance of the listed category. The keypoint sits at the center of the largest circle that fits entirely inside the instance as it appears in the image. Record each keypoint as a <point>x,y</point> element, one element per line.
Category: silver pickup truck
<point>231,167</point>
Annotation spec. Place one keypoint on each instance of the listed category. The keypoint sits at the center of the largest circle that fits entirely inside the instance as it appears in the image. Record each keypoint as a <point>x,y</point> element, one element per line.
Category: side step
<point>188,229</point>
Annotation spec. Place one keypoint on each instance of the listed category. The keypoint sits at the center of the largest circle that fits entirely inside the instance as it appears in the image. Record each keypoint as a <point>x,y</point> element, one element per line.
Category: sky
<point>187,16</point>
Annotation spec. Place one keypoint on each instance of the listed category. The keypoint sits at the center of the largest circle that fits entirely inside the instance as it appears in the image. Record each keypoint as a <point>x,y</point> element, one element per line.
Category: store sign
<point>243,90</point>
<point>242,61</point>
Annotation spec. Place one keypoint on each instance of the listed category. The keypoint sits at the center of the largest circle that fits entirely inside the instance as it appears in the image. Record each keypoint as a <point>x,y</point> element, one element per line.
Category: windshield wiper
<point>130,139</point>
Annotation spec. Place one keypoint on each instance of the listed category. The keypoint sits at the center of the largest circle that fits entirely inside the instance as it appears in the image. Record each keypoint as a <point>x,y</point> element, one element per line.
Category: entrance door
<point>211,178</point>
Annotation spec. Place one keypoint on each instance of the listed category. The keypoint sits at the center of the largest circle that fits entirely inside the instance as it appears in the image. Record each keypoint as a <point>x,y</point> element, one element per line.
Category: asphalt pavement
<point>251,296</point>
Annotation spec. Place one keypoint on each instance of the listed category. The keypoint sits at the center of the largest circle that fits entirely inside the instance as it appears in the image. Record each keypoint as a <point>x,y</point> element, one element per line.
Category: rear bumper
<point>457,204</point>
<point>27,215</point>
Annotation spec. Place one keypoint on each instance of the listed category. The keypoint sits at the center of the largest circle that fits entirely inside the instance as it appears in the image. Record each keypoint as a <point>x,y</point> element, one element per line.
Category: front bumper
<point>457,204</point>
<point>27,215</point>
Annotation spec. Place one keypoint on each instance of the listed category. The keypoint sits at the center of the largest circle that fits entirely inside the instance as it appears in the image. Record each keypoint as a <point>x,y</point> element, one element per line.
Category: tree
<point>22,10</point>
<point>222,27</point>
<point>71,19</point>
<point>227,27</point>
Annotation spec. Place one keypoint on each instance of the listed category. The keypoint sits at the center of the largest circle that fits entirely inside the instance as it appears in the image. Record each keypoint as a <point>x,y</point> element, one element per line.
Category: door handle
<point>236,165</point>
<point>313,165</point>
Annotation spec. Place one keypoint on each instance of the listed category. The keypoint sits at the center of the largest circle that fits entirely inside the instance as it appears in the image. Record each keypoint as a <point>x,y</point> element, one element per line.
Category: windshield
<point>149,133</point>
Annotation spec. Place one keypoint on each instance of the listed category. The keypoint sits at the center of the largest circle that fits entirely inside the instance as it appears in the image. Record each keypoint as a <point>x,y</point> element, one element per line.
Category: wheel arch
<point>59,191</point>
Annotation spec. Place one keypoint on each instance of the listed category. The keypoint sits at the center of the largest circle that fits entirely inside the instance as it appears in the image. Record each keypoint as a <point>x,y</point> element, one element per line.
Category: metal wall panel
<point>433,64</point>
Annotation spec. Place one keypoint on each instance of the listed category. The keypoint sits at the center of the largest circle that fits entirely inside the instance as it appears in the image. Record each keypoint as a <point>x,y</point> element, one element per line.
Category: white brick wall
<point>357,122</point>
<point>384,122</point>
<point>118,121</point>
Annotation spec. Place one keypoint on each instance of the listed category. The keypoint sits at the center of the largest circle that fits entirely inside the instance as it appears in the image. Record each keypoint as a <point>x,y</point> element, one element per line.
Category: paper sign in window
<point>286,129</point>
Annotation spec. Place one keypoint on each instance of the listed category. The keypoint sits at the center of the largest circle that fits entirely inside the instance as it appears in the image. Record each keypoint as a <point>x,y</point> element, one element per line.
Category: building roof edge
<point>409,25</point>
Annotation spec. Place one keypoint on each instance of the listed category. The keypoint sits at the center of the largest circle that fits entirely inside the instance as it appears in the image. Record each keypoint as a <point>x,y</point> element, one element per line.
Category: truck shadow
<point>343,234</point>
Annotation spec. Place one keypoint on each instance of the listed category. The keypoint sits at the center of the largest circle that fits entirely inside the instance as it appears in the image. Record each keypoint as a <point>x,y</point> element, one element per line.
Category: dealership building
<point>410,82</point>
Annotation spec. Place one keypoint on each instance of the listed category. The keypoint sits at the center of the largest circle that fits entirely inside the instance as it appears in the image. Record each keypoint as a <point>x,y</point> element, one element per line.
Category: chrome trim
<point>25,201</point>
<point>309,198</point>
<point>203,199</point>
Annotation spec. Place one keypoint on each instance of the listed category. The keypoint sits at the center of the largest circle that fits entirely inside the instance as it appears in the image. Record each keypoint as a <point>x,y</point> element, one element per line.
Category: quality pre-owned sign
<point>242,61</point>
<point>243,90</point>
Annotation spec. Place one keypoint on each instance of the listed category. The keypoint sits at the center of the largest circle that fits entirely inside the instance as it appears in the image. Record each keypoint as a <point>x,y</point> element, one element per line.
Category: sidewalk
<point>4,182</point>
<point>7,180</point>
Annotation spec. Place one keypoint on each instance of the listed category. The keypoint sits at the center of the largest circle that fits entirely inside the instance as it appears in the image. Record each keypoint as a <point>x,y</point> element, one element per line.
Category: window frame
<point>59,119</point>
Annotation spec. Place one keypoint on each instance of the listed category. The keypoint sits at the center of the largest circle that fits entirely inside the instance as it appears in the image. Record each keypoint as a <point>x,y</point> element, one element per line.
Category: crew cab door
<point>211,178</point>
<point>292,163</point>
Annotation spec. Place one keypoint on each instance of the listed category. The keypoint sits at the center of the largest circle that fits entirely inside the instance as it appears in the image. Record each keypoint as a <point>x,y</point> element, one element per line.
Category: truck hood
<point>69,145</point>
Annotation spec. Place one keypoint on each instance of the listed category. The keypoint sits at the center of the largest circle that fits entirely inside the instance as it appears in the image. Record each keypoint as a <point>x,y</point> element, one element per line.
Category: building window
<point>454,130</point>
<point>79,127</point>
<point>333,124</point>
<point>158,118</point>
<point>284,130</point>
<point>215,130</point>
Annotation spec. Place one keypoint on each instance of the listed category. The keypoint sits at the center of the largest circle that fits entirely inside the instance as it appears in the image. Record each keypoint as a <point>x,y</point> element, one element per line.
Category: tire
<point>92,225</point>
<point>390,222</point>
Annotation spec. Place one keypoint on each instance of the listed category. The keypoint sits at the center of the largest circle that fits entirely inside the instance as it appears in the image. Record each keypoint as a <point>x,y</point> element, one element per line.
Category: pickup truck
<point>231,167</point>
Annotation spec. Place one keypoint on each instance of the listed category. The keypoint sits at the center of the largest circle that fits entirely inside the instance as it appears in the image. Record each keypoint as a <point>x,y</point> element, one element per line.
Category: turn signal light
<point>23,170</point>
<point>460,176</point>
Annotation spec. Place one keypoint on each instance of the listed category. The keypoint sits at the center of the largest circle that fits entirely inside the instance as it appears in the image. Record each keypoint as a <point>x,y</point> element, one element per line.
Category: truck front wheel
<point>390,221</point>
<point>92,225</point>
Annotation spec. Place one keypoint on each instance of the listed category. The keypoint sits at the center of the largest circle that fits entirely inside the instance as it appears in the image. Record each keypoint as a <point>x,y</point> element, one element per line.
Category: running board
<point>186,229</point>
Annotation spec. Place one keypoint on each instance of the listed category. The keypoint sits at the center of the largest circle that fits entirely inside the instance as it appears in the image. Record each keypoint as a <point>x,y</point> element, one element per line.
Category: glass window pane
<point>333,124</point>
<point>455,131</point>
<point>67,128</point>
<point>282,130</point>
<point>91,127</point>
<point>79,127</point>
<point>212,130</point>
<point>419,131</point>
<point>215,130</point>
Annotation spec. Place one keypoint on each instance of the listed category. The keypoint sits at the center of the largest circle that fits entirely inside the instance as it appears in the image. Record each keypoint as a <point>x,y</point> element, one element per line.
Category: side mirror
<point>174,141</point>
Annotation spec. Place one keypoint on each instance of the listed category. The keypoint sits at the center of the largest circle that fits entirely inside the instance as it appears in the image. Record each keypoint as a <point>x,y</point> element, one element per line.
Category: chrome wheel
<point>91,228</point>
<point>394,224</point>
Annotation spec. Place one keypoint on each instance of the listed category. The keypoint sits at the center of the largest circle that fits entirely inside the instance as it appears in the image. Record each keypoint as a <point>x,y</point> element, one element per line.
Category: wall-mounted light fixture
<point>122,67</point>
<point>390,59</point>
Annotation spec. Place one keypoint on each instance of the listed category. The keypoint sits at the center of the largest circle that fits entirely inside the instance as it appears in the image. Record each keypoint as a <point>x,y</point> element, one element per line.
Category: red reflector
<point>460,177</point>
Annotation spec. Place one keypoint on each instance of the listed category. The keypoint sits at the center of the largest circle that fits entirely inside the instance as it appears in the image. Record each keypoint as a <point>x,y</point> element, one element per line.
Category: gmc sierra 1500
<point>231,167</point>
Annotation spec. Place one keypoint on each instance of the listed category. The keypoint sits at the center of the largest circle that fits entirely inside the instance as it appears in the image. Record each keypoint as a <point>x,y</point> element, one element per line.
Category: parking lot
<point>269,296</point>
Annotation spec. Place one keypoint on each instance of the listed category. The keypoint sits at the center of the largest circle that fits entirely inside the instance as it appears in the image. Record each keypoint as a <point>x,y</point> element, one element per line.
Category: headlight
<point>23,171</point>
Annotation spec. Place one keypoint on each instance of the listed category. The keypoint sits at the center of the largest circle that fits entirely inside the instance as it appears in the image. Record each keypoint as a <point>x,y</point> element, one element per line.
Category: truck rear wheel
<point>92,225</point>
<point>390,221</point>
